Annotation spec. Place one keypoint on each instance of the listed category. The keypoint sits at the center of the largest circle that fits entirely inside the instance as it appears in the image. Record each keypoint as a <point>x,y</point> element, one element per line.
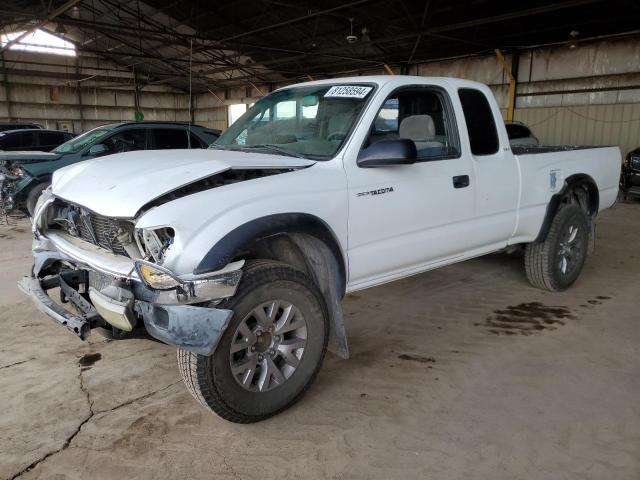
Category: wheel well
<point>579,190</point>
<point>276,237</point>
<point>314,257</point>
<point>301,240</point>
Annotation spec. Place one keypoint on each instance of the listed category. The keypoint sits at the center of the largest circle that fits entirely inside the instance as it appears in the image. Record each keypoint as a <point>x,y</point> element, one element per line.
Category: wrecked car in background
<point>35,169</point>
<point>240,255</point>
<point>630,176</point>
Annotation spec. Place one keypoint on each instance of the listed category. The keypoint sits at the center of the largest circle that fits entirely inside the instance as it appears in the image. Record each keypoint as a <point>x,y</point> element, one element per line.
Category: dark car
<point>32,139</point>
<point>4,126</point>
<point>34,169</point>
<point>520,134</point>
<point>630,176</point>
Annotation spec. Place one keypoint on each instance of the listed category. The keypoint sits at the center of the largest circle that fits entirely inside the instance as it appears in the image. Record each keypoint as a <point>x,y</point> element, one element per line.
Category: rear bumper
<point>193,328</point>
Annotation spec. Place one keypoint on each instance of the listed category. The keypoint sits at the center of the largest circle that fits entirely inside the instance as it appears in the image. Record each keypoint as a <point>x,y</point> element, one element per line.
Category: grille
<point>96,229</point>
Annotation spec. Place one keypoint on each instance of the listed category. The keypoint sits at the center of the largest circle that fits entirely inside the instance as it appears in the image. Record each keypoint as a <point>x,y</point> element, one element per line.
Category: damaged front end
<point>111,274</point>
<point>8,179</point>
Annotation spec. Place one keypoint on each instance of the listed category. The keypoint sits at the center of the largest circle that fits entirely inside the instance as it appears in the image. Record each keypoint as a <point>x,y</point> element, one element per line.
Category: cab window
<point>420,114</point>
<point>18,141</point>
<point>169,138</point>
<point>126,141</point>
<point>481,126</point>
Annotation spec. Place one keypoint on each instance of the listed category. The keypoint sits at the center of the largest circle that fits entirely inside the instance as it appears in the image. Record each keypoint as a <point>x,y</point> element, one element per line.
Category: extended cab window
<point>420,114</point>
<point>481,126</point>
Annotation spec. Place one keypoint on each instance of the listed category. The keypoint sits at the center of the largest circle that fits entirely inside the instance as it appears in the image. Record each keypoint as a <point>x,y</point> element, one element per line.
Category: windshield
<point>81,141</point>
<point>302,122</point>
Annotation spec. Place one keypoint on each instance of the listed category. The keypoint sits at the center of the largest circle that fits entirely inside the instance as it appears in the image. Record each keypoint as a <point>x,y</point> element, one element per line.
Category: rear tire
<point>271,351</point>
<point>33,196</point>
<point>556,263</point>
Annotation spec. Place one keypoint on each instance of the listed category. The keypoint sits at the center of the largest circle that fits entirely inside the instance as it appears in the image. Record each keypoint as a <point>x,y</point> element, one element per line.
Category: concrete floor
<point>464,372</point>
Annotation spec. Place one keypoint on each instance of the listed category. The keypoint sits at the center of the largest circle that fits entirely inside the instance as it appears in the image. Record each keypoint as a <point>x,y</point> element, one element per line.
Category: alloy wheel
<point>268,345</point>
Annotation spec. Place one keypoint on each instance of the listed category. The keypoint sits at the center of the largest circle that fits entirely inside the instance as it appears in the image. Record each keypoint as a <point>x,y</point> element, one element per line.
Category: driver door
<point>404,218</point>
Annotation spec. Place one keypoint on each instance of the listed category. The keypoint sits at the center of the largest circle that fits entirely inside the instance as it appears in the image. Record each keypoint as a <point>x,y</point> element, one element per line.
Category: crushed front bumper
<point>105,290</point>
<point>193,328</point>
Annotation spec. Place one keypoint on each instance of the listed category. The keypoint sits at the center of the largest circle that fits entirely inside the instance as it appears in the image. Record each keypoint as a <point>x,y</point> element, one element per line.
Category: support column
<point>79,96</point>
<point>513,83</point>
<point>7,88</point>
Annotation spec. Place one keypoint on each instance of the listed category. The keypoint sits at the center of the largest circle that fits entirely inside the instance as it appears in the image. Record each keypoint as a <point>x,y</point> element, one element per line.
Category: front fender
<point>203,219</point>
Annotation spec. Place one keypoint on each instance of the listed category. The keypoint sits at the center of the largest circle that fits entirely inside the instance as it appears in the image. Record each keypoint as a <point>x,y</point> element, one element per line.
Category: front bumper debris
<point>80,324</point>
<point>197,329</point>
<point>193,328</point>
<point>7,192</point>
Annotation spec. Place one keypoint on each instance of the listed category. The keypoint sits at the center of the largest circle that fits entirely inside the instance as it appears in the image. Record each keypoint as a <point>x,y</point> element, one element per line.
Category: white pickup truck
<point>240,255</point>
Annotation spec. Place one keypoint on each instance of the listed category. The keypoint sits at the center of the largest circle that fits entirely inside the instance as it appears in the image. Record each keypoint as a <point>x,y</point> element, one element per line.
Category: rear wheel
<point>271,351</point>
<point>556,263</point>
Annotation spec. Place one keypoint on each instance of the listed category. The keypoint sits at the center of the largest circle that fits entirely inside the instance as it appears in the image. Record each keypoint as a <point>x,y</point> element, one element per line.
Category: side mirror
<point>386,153</point>
<point>99,149</point>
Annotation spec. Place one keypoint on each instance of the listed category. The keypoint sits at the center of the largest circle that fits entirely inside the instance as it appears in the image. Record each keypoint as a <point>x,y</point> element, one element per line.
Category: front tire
<point>34,195</point>
<point>271,351</point>
<point>556,263</point>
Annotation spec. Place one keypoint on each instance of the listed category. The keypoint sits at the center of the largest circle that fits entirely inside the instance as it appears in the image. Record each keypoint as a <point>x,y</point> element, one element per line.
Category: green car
<point>26,174</point>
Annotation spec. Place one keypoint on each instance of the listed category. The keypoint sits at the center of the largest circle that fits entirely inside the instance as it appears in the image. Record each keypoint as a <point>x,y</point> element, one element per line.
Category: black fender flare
<point>242,237</point>
<point>557,199</point>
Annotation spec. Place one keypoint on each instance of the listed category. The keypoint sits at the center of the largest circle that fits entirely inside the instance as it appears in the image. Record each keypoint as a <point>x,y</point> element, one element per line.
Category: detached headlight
<point>155,276</point>
<point>154,242</point>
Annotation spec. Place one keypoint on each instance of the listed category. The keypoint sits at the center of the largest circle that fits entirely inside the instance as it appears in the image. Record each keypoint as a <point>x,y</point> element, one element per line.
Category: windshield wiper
<point>274,148</point>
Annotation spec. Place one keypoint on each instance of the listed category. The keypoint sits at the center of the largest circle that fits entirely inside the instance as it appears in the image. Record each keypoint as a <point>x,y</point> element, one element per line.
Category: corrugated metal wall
<point>54,101</point>
<point>585,95</point>
<point>585,125</point>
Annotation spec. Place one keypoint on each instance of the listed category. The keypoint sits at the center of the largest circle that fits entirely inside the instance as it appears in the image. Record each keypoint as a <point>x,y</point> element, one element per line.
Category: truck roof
<point>396,80</point>
<point>152,122</point>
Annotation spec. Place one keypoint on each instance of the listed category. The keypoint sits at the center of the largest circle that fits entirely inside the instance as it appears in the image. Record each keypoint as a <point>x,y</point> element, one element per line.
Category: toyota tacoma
<point>240,254</point>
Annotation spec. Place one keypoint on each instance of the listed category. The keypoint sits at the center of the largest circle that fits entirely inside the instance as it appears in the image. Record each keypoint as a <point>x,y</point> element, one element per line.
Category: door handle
<point>461,181</point>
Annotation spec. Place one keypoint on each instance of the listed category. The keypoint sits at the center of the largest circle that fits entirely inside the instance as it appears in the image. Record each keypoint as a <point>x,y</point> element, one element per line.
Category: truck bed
<point>534,149</point>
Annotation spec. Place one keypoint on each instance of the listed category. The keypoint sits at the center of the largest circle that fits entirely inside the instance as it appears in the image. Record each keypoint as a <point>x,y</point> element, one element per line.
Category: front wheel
<point>271,351</point>
<point>33,196</point>
<point>556,263</point>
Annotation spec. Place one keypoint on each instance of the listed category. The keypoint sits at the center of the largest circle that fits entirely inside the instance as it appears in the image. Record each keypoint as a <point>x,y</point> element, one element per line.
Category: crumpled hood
<point>120,185</point>
<point>19,158</point>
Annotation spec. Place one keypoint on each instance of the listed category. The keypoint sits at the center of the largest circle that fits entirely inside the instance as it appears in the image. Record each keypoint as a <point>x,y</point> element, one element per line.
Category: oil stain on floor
<point>88,359</point>
<point>416,358</point>
<point>527,318</point>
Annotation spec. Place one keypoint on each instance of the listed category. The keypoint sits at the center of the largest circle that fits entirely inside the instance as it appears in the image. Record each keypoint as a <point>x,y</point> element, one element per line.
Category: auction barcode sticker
<point>348,91</point>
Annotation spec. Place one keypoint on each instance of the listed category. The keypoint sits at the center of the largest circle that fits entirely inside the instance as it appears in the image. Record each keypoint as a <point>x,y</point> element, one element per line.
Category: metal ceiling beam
<point>58,11</point>
<point>295,20</point>
<point>431,31</point>
<point>186,43</point>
